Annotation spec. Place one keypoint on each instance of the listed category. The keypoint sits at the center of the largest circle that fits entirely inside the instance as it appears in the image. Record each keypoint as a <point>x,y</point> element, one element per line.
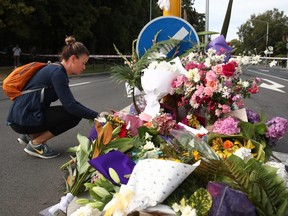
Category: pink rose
<point>211,76</point>
<point>208,91</point>
<point>217,69</point>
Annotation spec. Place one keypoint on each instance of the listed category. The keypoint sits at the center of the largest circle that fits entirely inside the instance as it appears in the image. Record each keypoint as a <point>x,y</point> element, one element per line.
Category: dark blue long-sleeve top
<point>27,109</point>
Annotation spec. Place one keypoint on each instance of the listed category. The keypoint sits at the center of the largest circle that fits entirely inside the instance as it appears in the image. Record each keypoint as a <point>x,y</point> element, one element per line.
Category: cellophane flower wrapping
<point>190,140</point>
<point>228,201</point>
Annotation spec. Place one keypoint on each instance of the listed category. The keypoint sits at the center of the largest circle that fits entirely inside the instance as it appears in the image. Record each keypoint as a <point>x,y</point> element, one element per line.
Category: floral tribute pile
<point>187,146</point>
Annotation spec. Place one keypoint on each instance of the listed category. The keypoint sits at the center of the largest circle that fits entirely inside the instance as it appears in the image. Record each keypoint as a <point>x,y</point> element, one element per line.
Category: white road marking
<point>264,70</point>
<point>253,71</point>
<point>273,86</point>
<point>77,84</point>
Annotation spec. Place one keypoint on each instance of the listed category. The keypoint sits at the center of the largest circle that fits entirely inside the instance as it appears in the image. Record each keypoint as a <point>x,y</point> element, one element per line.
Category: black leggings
<point>56,120</point>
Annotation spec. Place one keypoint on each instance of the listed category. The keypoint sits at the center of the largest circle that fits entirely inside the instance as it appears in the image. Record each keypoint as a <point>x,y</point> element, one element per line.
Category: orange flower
<point>148,124</point>
<point>228,144</point>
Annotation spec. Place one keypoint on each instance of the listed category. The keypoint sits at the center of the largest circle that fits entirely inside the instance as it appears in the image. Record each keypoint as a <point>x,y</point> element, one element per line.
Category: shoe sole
<point>40,156</point>
<point>21,142</point>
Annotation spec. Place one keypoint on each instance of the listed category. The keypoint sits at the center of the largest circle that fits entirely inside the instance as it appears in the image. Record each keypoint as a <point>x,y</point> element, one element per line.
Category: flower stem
<point>75,189</point>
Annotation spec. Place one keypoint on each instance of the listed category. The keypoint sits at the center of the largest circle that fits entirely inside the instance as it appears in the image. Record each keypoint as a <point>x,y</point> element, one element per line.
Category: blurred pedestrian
<point>16,54</point>
<point>283,63</point>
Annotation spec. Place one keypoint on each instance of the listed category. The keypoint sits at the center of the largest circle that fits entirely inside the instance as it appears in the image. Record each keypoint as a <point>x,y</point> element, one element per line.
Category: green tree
<point>253,33</point>
<point>97,23</point>
<point>197,20</point>
<point>12,25</point>
<point>120,24</point>
<point>11,14</point>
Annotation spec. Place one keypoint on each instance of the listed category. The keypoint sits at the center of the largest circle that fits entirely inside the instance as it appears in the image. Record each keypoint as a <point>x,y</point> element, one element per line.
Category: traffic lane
<point>28,184</point>
<point>272,98</point>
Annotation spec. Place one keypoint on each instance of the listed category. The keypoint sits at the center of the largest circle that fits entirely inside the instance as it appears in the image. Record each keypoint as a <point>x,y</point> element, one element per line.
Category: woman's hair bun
<point>70,40</point>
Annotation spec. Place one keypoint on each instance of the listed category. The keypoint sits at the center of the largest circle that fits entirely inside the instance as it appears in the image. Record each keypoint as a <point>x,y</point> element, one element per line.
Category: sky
<point>241,12</point>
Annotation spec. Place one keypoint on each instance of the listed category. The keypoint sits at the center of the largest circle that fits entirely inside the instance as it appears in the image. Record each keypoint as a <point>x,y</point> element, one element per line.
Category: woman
<point>36,117</point>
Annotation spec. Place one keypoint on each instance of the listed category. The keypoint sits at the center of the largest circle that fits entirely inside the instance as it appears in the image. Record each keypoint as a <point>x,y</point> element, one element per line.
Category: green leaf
<point>122,144</point>
<point>84,143</point>
<point>116,131</point>
<point>207,33</point>
<point>260,128</point>
<point>82,154</point>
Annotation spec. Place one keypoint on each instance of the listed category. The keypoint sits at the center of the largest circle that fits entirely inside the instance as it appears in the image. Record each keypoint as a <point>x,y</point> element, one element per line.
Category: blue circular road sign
<point>169,27</point>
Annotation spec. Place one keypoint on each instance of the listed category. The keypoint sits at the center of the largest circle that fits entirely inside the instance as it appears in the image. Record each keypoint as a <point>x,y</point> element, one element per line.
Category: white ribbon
<point>62,205</point>
<point>164,4</point>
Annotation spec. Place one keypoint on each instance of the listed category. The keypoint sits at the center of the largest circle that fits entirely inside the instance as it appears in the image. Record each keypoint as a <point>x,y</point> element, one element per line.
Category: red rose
<point>228,69</point>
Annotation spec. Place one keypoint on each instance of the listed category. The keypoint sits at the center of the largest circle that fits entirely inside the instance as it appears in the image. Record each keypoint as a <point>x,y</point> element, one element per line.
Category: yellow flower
<point>216,144</point>
<point>193,122</point>
<point>196,155</point>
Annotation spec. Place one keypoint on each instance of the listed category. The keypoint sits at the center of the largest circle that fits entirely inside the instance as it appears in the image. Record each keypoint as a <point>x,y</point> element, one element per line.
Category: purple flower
<point>252,116</point>
<point>228,126</point>
<point>276,128</point>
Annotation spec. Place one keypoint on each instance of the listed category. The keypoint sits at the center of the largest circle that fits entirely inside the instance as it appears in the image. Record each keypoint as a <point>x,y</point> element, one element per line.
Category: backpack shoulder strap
<point>43,88</point>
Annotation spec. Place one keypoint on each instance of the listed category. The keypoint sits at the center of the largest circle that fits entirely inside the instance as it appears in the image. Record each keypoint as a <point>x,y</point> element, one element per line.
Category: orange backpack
<point>14,83</point>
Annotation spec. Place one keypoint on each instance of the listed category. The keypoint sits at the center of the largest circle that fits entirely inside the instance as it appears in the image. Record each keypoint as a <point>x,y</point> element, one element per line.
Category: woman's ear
<point>72,58</point>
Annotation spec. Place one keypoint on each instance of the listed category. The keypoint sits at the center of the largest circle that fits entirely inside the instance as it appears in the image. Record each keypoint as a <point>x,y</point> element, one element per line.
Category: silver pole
<point>150,10</point>
<point>207,20</point>
<point>267,35</point>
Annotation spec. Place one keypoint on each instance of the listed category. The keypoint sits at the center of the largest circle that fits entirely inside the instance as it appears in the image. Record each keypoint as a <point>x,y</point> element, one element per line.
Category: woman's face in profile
<point>79,64</point>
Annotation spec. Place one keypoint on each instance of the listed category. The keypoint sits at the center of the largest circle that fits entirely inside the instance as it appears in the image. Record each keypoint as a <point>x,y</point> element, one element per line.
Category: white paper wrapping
<point>156,83</point>
<point>157,179</point>
<point>151,182</point>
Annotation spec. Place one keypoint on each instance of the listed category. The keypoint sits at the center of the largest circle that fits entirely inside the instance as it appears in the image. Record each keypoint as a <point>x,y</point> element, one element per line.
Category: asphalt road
<point>273,96</point>
<point>28,185</point>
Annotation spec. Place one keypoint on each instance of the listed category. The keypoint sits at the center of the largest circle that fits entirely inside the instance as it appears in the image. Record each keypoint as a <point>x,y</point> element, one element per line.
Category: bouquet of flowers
<point>212,85</point>
<point>169,163</point>
<point>162,145</point>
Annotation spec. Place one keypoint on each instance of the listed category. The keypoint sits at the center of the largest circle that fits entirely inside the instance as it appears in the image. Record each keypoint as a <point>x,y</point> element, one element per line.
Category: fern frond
<point>265,189</point>
<point>162,46</point>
